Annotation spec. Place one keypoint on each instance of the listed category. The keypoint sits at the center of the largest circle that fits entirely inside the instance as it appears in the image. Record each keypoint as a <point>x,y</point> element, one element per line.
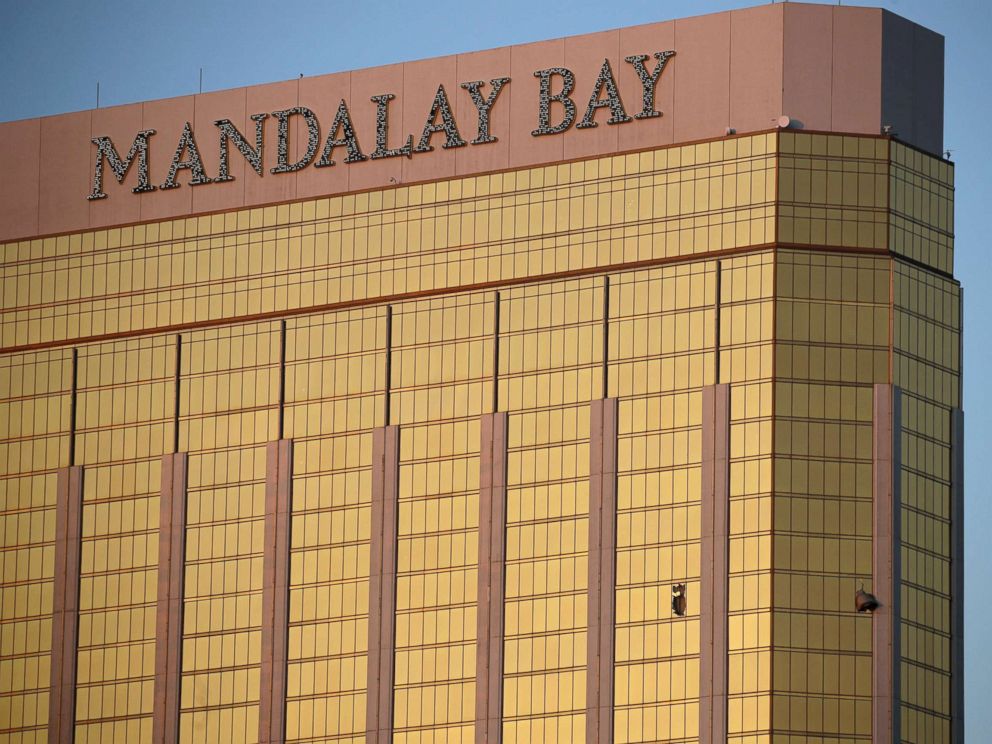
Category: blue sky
<point>53,53</point>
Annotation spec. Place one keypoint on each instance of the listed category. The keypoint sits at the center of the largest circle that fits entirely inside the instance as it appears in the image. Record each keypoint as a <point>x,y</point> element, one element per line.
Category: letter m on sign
<point>107,152</point>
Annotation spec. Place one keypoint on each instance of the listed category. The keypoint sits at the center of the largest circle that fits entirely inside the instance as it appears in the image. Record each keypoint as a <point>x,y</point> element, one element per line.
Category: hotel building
<point>603,389</point>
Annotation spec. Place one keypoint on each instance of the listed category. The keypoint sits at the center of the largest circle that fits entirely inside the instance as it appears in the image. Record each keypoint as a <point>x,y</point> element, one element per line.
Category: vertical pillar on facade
<point>492,580</point>
<point>382,584</point>
<point>957,576</point>
<point>65,605</point>
<point>713,583</point>
<point>602,569</point>
<point>886,569</point>
<point>169,608</point>
<point>275,591</point>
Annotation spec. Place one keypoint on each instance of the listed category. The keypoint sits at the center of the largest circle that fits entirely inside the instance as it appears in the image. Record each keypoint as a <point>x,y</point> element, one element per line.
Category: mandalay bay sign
<point>555,108</point>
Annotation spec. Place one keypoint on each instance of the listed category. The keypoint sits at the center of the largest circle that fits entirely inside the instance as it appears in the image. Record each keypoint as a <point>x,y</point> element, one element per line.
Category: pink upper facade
<point>826,67</point>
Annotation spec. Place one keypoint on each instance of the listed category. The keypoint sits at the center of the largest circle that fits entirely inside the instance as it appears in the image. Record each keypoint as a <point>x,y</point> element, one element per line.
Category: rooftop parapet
<point>814,67</point>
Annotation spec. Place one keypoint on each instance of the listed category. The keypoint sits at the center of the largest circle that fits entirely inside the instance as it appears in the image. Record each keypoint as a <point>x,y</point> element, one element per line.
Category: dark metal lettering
<point>447,124</point>
<point>441,118</point>
<point>313,139</point>
<point>544,104</point>
<point>342,121</point>
<point>605,82</point>
<point>254,156</point>
<point>382,130</point>
<point>187,143</point>
<point>484,105</point>
<point>107,151</point>
<point>649,81</point>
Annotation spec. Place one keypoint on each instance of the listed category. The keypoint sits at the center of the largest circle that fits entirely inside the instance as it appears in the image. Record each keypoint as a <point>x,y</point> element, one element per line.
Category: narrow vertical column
<point>169,609</point>
<point>606,337</point>
<point>602,569</point>
<point>886,570</point>
<point>382,584</point>
<point>65,605</point>
<point>716,321</point>
<point>492,584</point>
<point>496,352</point>
<point>177,394</point>
<point>957,576</point>
<point>714,540</point>
<point>275,592</point>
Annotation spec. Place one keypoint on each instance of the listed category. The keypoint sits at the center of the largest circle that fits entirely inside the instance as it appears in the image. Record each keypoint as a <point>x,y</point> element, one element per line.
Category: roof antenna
<point>201,79</point>
<point>98,94</point>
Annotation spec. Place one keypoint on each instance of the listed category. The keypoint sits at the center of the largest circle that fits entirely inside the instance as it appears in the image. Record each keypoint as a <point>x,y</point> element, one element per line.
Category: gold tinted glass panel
<point>335,376</point>
<point>34,408</point>
<point>228,413</point>
<point>798,268</point>
<point>126,400</point>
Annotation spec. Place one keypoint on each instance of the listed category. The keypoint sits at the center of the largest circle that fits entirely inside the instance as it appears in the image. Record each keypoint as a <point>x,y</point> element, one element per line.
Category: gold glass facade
<point>799,269</point>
